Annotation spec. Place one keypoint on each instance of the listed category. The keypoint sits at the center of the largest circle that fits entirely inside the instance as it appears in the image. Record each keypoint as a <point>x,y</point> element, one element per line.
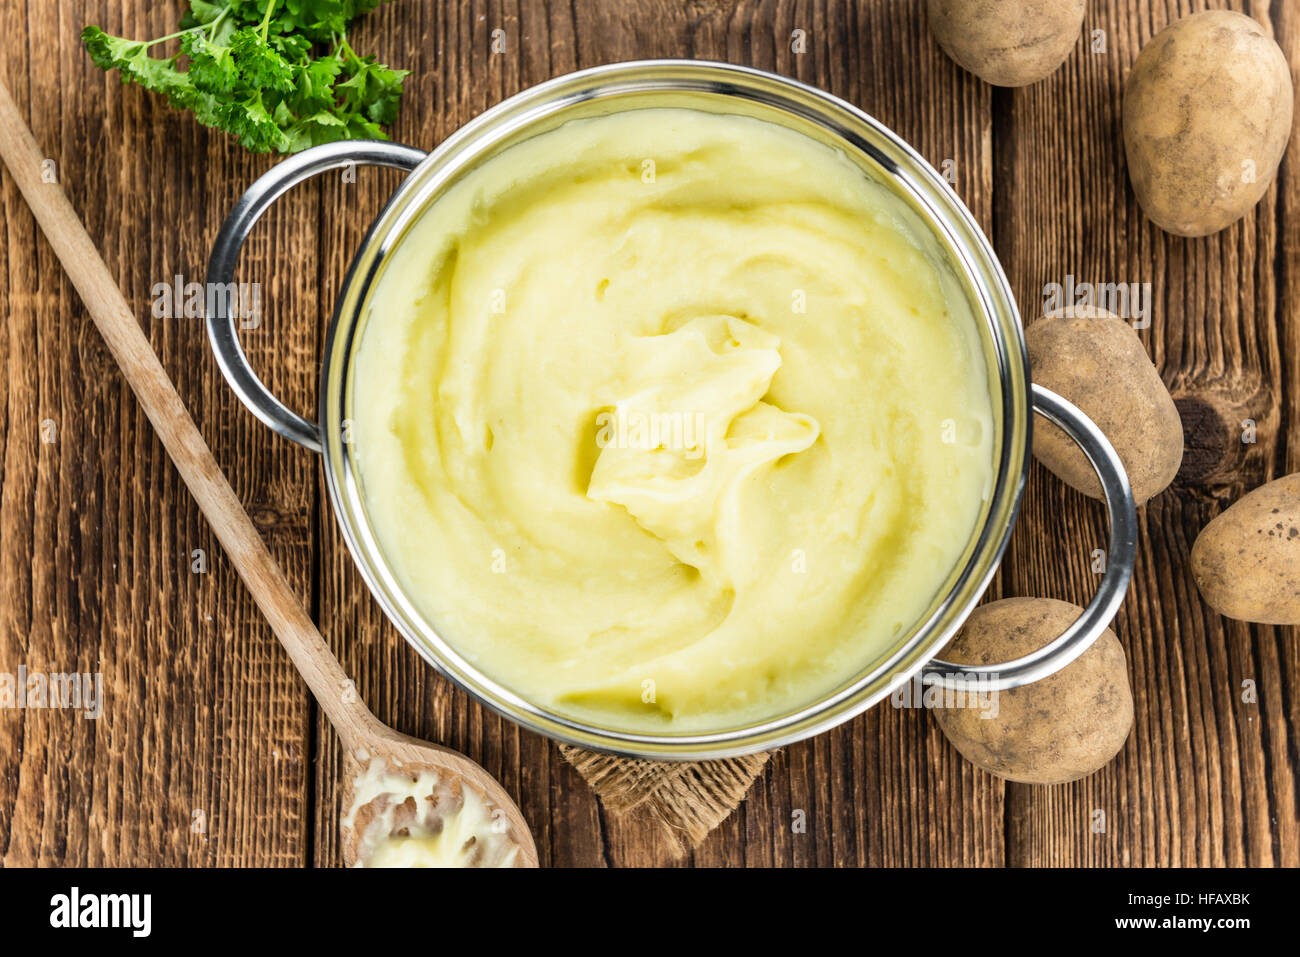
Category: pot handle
<point>273,184</point>
<point>1121,554</point>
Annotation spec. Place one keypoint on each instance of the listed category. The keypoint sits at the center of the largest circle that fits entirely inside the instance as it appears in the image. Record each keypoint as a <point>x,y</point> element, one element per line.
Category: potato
<point>1007,42</point>
<point>1059,729</point>
<point>1096,361</point>
<point>1207,113</point>
<point>1246,561</point>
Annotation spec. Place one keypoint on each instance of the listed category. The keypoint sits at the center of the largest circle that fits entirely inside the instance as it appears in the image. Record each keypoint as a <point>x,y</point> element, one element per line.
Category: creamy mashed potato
<point>671,420</point>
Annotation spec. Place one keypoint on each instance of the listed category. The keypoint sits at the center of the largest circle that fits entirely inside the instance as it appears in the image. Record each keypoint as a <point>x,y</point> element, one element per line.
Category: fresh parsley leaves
<point>259,70</point>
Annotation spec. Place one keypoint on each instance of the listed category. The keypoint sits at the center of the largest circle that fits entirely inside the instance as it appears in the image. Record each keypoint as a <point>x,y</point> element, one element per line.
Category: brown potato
<point>1096,361</point>
<point>1007,42</point>
<point>1207,114</point>
<point>1246,561</point>
<point>1062,728</point>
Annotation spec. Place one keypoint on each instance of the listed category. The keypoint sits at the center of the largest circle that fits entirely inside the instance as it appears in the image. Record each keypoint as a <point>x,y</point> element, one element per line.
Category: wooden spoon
<point>364,737</point>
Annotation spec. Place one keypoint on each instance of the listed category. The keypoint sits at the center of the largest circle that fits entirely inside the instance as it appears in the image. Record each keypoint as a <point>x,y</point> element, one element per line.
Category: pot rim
<point>898,165</point>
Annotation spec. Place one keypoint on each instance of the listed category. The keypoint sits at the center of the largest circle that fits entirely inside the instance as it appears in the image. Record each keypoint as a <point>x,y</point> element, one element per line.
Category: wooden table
<point>210,752</point>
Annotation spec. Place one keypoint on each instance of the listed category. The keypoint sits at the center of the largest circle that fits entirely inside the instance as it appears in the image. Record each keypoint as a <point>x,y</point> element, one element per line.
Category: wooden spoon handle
<point>181,438</point>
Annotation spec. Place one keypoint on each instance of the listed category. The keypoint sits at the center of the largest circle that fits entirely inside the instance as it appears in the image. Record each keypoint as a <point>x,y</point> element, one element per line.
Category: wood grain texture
<point>200,757</point>
<point>1199,782</point>
<point>203,710</point>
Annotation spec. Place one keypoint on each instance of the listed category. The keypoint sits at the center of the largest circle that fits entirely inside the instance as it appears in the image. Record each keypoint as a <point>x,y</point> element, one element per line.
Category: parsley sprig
<point>277,74</point>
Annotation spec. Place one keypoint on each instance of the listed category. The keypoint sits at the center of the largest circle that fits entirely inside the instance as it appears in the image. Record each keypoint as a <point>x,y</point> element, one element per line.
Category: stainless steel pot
<point>727,89</point>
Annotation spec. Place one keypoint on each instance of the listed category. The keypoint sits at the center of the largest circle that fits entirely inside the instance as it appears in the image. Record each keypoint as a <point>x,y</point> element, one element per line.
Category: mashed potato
<point>671,420</point>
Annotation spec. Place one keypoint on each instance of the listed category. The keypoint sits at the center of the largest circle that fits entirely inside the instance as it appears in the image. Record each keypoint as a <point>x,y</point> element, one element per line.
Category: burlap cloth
<point>688,800</point>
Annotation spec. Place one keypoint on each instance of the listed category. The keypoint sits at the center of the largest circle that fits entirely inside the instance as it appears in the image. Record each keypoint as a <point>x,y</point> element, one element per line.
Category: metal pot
<point>728,89</point>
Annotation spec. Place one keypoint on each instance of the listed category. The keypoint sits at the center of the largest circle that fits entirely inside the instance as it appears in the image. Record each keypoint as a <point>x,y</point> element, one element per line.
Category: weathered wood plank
<point>205,721</point>
<point>1205,779</point>
<point>1278,790</point>
<point>884,789</point>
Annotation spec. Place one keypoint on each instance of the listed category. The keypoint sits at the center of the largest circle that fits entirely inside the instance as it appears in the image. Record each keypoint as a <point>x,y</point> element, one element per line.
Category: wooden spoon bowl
<point>404,756</point>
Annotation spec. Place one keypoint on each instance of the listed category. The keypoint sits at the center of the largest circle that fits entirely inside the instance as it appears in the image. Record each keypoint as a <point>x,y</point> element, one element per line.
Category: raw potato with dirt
<point>1007,42</point>
<point>1096,361</point>
<point>1059,729</point>
<point>1207,115</point>
<point>1246,562</point>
